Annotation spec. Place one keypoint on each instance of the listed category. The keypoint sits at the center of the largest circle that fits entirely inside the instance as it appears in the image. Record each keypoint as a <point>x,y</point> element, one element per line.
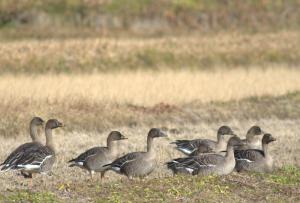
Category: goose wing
<point>203,148</point>
<point>120,162</point>
<point>190,146</point>
<point>34,159</point>
<point>18,154</point>
<point>82,158</point>
<point>196,163</point>
<point>249,155</point>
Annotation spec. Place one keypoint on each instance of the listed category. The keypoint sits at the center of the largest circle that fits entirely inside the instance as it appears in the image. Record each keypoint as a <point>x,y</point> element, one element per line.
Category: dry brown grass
<point>102,101</point>
<point>185,103</point>
<point>86,102</point>
<point>224,50</point>
<point>148,88</point>
<point>74,183</point>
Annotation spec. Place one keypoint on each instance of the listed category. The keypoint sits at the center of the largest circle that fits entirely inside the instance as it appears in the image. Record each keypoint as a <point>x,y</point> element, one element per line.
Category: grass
<point>193,52</point>
<point>33,197</point>
<point>288,175</point>
<point>148,88</point>
<point>235,187</point>
<point>103,101</point>
<point>187,86</point>
<point>61,18</point>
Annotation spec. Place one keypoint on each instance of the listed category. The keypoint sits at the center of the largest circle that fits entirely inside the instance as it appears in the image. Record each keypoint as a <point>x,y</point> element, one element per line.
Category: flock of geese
<point>202,156</point>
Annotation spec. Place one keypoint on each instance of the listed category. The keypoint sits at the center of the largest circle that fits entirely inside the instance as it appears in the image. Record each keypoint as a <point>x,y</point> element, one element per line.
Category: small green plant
<point>33,197</point>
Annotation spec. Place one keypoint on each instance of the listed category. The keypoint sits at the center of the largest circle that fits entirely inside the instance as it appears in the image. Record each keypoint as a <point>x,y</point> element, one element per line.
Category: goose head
<point>37,121</point>
<point>115,136</point>
<point>268,138</point>
<point>224,131</point>
<point>156,132</point>
<point>254,131</point>
<point>53,123</point>
<point>235,141</point>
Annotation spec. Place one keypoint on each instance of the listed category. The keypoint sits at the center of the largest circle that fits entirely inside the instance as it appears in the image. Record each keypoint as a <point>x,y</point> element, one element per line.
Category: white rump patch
<point>34,164</point>
<point>187,151</point>
<point>80,163</point>
<point>247,160</point>
<point>28,166</point>
<point>190,170</point>
<point>116,168</point>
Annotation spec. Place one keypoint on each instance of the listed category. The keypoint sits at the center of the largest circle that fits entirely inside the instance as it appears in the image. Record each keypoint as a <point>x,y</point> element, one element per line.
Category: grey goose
<point>93,159</point>
<point>18,153</point>
<point>39,159</point>
<point>253,138</point>
<point>197,146</point>
<point>138,164</point>
<point>206,164</point>
<point>255,159</point>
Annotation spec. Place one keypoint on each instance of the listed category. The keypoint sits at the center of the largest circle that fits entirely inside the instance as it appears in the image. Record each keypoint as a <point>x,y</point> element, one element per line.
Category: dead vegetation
<point>223,51</point>
<point>92,86</point>
<point>103,101</point>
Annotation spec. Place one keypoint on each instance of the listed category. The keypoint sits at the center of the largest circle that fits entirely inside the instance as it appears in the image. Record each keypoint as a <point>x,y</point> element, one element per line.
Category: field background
<point>186,66</point>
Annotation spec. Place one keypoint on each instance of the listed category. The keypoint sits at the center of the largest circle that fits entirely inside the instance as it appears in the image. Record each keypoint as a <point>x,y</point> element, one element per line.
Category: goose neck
<point>230,152</point>
<point>111,146</point>
<point>49,138</point>
<point>34,133</point>
<point>265,149</point>
<point>221,144</point>
<point>149,144</point>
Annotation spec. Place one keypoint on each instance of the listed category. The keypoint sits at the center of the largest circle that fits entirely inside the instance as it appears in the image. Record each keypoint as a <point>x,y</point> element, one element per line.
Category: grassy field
<point>102,101</point>
<point>94,18</point>
<point>281,186</point>
<point>188,86</point>
<point>191,52</point>
<point>87,125</point>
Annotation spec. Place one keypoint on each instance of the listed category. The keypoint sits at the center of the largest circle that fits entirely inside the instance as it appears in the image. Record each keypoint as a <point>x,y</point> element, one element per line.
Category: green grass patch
<point>279,186</point>
<point>33,197</point>
<point>234,187</point>
<point>288,175</point>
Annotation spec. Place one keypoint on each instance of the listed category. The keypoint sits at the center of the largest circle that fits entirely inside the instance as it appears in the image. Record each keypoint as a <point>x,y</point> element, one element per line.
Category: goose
<point>93,159</point>
<point>194,147</point>
<point>253,138</point>
<point>138,164</point>
<point>206,164</point>
<point>255,159</point>
<point>38,159</point>
<point>18,153</point>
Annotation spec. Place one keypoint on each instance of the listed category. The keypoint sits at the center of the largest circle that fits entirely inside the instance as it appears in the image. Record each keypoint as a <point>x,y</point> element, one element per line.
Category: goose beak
<point>123,138</point>
<point>162,134</point>
<point>61,125</point>
<point>273,139</point>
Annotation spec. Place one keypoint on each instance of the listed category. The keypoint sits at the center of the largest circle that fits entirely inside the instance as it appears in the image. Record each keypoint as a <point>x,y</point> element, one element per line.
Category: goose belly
<point>138,169</point>
<point>47,164</point>
<point>254,166</point>
<point>269,164</point>
<point>226,168</point>
<point>205,171</point>
<point>96,164</point>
